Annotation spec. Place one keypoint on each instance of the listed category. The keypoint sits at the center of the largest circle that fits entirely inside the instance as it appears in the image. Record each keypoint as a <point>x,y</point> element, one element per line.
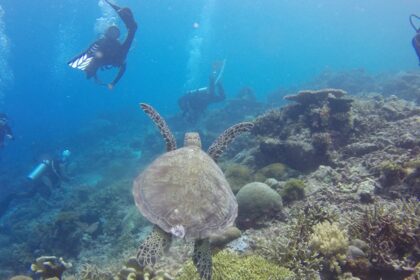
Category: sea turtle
<point>184,193</point>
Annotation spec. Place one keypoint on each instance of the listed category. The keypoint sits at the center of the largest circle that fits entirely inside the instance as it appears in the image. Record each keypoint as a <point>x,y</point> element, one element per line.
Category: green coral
<point>331,241</point>
<point>238,175</point>
<point>231,266</point>
<point>294,189</point>
<point>274,170</point>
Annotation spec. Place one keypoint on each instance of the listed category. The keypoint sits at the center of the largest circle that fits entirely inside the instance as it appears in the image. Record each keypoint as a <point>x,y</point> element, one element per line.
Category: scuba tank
<point>416,38</point>
<point>38,170</point>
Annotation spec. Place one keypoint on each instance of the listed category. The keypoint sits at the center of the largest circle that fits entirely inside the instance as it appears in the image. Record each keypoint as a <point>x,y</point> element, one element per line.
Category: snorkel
<point>416,39</point>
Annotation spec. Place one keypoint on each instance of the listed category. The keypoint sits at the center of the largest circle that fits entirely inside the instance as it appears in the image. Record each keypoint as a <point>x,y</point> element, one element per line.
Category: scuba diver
<point>195,102</point>
<point>5,130</point>
<point>108,52</point>
<point>48,174</point>
<point>416,39</point>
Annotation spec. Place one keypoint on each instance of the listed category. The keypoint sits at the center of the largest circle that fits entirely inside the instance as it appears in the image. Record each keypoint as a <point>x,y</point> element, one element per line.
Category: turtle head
<point>192,139</point>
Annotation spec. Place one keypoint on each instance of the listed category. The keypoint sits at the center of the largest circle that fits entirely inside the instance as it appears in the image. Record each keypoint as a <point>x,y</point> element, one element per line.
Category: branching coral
<point>288,245</point>
<point>133,271</point>
<point>230,266</point>
<point>92,272</point>
<point>392,233</point>
<point>331,241</point>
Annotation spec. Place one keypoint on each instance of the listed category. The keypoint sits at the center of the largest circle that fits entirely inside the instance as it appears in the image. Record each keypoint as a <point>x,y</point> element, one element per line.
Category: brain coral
<point>256,202</point>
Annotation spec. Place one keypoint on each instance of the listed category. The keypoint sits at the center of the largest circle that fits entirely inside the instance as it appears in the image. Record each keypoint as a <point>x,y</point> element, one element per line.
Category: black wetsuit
<point>107,52</point>
<point>5,130</point>
<point>194,103</point>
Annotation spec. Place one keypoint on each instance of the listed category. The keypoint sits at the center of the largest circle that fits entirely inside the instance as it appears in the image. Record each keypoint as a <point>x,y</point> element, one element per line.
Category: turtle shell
<point>185,193</point>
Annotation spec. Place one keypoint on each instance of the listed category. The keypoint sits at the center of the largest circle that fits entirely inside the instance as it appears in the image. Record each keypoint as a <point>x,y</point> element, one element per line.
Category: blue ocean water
<point>267,45</point>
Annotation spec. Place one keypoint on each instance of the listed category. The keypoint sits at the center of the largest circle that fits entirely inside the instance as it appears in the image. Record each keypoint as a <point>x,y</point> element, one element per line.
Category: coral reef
<point>49,267</point>
<point>357,159</point>
<point>230,266</point>
<point>331,242</point>
<point>257,203</point>
<point>238,176</point>
<point>20,277</point>
<point>391,232</point>
<point>287,244</point>
<point>224,238</point>
<point>132,271</point>
<point>293,189</point>
<point>302,134</point>
<point>275,170</point>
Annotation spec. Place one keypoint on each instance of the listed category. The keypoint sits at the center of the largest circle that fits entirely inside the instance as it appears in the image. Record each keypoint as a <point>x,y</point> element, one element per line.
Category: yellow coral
<point>230,266</point>
<point>329,240</point>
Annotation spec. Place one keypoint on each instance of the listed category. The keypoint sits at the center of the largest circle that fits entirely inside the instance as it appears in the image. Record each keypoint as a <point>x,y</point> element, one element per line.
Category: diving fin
<point>83,60</point>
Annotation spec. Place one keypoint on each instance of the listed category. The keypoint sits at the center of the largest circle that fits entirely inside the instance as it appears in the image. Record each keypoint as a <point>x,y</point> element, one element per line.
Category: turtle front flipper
<point>162,126</point>
<point>153,247</point>
<point>202,258</point>
<point>220,144</point>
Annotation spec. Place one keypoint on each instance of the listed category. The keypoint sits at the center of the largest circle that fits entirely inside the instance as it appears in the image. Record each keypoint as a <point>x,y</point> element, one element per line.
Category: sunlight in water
<point>6,74</point>
<point>195,44</point>
<point>107,18</point>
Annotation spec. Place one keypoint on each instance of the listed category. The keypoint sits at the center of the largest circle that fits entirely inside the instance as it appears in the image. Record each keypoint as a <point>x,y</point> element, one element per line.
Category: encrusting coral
<point>238,175</point>
<point>274,170</point>
<point>294,189</point>
<point>230,266</point>
<point>331,241</point>
<point>225,237</point>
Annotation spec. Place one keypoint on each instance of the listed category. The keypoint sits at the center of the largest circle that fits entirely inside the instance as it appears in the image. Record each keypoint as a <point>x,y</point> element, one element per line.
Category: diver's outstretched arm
<point>118,77</point>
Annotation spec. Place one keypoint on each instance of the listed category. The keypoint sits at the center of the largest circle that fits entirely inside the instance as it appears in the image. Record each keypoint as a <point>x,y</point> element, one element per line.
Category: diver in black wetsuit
<point>46,176</point>
<point>5,130</point>
<point>416,39</point>
<point>108,52</point>
<point>195,102</point>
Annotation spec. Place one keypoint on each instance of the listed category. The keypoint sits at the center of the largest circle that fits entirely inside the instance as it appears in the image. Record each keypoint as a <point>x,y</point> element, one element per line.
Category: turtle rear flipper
<point>153,247</point>
<point>202,258</point>
<point>220,144</point>
<point>162,126</point>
